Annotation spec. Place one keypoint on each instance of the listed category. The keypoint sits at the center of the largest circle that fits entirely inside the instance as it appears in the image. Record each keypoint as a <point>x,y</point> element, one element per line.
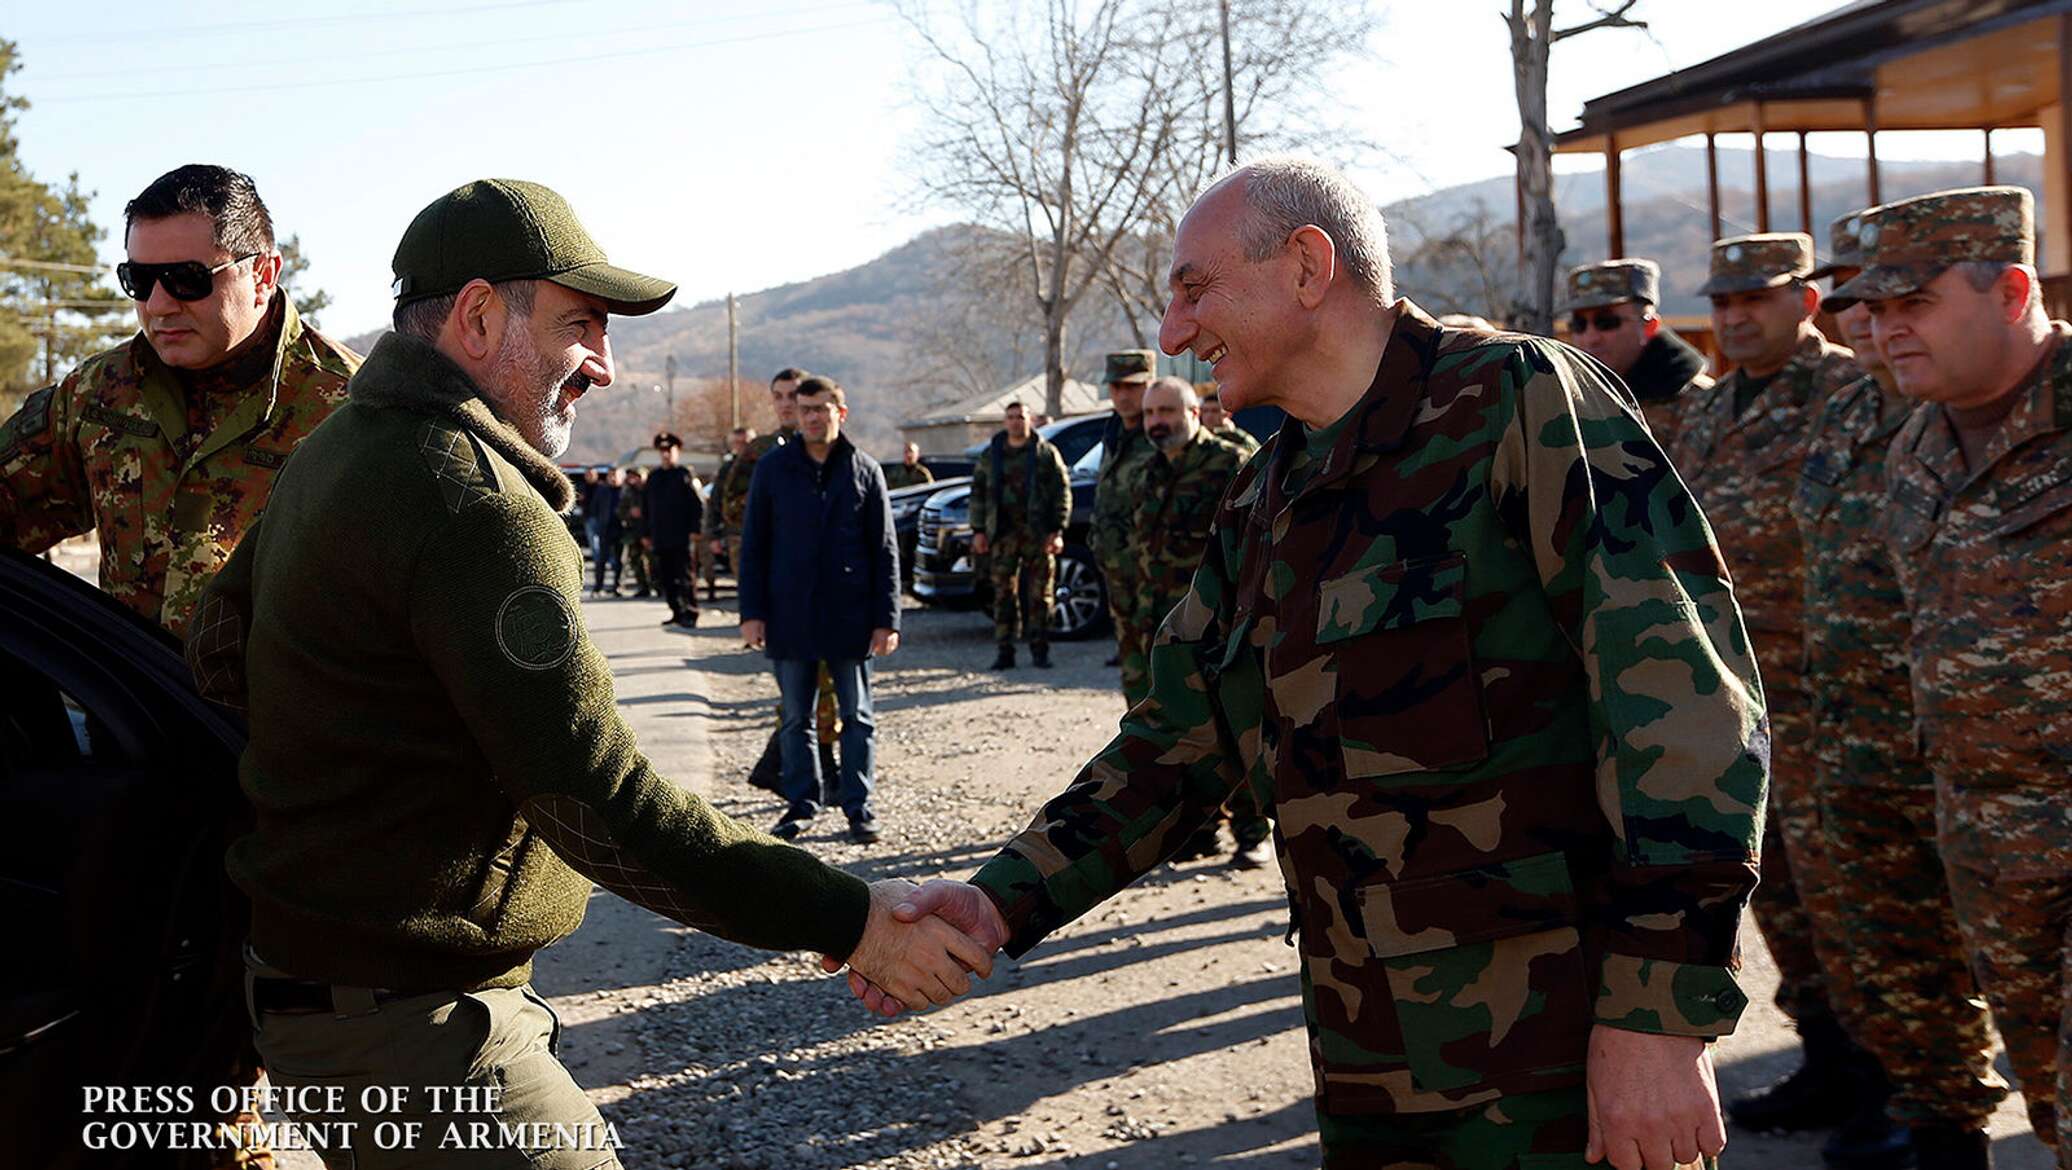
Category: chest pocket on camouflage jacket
<point>1407,695</point>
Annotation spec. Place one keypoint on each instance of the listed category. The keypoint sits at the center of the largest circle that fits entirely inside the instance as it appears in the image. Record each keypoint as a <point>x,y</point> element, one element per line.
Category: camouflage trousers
<point>1523,1131</point>
<point>2008,855</point>
<point>1025,585</point>
<point>638,561</point>
<point>1795,902</point>
<point>1918,1010</point>
<point>1130,644</point>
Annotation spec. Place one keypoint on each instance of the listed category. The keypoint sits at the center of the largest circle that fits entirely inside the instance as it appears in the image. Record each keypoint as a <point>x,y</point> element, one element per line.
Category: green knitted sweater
<point>437,764</point>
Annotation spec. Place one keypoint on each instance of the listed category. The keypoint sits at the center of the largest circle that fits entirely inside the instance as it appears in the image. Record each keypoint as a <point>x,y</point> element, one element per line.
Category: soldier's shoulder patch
<point>535,628</point>
<point>462,474</point>
<point>32,421</point>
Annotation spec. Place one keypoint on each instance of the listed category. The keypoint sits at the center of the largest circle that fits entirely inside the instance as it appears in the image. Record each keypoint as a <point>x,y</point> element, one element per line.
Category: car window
<point>41,725</point>
<point>1090,462</point>
<point>1075,440</point>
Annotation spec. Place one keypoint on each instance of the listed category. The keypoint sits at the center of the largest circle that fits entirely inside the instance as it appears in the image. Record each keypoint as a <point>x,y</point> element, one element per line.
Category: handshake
<point>921,945</point>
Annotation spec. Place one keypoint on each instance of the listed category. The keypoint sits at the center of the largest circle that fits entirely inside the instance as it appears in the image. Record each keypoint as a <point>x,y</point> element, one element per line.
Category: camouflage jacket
<point>1856,621</point>
<point>1744,470</point>
<point>730,491</point>
<point>633,523</point>
<point>106,450</point>
<point>1029,489</point>
<point>1486,669</point>
<point>711,525</point>
<point>1238,437</point>
<point>1175,517</point>
<point>899,475</point>
<point>1115,500</point>
<point>1985,560</point>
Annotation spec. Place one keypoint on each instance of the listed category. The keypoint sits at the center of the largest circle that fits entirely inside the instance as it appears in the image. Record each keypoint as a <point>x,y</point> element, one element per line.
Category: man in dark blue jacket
<point>819,580</point>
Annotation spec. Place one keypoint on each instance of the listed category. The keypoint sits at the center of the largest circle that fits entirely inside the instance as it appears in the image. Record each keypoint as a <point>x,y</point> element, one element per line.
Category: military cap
<point>1909,242</point>
<point>1747,263</point>
<point>1592,286</point>
<point>505,229</point>
<point>1131,365</point>
<point>1844,248</point>
<point>666,439</point>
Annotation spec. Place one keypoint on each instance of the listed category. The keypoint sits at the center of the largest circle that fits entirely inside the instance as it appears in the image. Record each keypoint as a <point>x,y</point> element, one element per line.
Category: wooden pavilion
<point>1868,67</point>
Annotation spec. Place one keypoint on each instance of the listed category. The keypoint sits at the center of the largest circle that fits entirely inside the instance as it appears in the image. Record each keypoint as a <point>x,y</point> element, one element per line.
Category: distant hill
<point>900,341</point>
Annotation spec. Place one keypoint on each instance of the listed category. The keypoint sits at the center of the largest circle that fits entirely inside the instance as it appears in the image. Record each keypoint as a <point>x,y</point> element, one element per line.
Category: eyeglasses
<point>188,280</point>
<point>1602,322</point>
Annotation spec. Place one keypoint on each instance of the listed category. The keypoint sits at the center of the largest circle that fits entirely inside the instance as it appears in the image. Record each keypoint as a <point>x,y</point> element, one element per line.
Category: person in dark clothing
<point>819,580</point>
<point>601,525</point>
<point>1611,308</point>
<point>674,516</point>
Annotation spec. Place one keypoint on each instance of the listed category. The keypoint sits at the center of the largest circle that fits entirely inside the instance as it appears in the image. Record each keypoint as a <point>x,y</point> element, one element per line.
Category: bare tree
<point>1533,37</point>
<point>1469,265</point>
<point>1049,122</point>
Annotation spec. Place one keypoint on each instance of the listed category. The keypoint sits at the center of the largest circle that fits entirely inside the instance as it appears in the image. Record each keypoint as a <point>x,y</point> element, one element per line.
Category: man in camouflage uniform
<point>1218,422</point>
<point>1124,451</point>
<point>167,445</point>
<point>1978,518</point>
<point>730,492</point>
<point>715,531</point>
<point>1917,1008</point>
<point>1021,500</point>
<point>1611,317</point>
<point>634,550</point>
<point>1464,630</point>
<point>909,471</point>
<point>1738,446</point>
<point>1174,521</point>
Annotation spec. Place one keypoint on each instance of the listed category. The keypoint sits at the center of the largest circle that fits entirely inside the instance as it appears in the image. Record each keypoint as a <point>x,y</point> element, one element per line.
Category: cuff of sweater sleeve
<point>1017,889</point>
<point>844,912</point>
<point>1668,998</point>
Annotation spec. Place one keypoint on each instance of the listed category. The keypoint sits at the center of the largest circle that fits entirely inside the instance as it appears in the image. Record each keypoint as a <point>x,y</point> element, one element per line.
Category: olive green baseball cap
<point>508,229</point>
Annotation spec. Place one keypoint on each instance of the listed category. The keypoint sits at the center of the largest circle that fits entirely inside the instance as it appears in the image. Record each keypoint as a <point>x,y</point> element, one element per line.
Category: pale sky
<point>722,145</point>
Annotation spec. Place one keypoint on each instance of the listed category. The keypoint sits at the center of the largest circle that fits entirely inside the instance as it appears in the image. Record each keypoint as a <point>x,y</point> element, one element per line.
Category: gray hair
<point>1982,275</point>
<point>1288,192</point>
<point>1188,398</point>
<point>423,319</point>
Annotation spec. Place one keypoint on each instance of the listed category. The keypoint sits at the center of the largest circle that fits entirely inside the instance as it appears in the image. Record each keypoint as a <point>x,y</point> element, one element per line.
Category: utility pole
<point>1229,99</point>
<point>733,365</point>
<point>669,376</point>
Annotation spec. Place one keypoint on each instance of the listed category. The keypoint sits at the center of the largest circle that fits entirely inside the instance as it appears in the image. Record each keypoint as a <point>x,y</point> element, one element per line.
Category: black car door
<point>118,794</point>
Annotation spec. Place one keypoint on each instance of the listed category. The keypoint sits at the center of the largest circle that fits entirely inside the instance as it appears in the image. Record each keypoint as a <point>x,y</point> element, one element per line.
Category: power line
<point>202,30</point>
<point>7,261</point>
<point>651,50</point>
<point>40,78</point>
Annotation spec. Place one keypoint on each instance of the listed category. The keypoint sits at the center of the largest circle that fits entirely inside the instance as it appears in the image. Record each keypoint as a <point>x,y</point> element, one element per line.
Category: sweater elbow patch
<point>579,834</point>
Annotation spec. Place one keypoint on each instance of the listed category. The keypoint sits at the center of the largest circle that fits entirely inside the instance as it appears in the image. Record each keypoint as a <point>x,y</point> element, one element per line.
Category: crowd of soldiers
<point>1895,516</point>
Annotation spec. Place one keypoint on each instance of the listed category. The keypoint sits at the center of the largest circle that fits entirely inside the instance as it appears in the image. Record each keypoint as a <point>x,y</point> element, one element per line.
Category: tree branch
<point>1616,18</point>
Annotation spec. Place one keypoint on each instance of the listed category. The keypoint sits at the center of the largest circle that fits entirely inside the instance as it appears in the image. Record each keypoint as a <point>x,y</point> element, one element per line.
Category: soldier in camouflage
<point>1978,520</point>
<point>1739,446</point>
<point>167,446</point>
<point>1218,422</point>
<point>634,550</point>
<point>1463,629</point>
<point>1917,1008</point>
<point>1611,317</point>
<point>909,471</point>
<point>715,531</point>
<point>1124,451</point>
<point>1175,520</point>
<point>730,493</point>
<point>1021,500</point>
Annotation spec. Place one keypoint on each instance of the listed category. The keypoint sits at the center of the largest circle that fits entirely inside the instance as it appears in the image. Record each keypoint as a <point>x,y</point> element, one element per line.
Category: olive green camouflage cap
<point>1766,260</point>
<point>1131,365</point>
<point>506,229</point>
<point>1844,247</point>
<point>1909,242</point>
<point>1612,282</point>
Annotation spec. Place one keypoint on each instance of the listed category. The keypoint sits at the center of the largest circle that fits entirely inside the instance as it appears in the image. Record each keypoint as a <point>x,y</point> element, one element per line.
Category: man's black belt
<point>304,997</point>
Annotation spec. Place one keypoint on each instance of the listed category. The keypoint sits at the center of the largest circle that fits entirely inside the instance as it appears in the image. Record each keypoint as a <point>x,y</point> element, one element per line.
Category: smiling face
<point>546,361</point>
<point>1240,316</point>
<point>195,335</point>
<point>1945,342</point>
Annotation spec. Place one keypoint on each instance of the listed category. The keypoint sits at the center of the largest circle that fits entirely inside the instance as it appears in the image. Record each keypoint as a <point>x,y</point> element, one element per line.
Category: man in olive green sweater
<point>436,762</point>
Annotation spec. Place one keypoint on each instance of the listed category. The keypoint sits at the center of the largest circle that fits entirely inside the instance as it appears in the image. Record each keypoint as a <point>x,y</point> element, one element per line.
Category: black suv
<point>946,573</point>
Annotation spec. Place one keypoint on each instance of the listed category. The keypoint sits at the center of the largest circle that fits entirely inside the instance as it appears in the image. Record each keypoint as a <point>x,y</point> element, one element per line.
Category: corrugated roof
<point>1079,398</point>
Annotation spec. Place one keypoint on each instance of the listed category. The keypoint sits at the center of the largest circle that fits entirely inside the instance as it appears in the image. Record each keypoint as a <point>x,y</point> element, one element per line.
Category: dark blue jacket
<point>819,557</point>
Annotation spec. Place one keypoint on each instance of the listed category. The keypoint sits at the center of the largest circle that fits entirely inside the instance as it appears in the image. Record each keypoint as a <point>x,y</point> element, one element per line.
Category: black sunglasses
<point>1602,322</point>
<point>188,280</point>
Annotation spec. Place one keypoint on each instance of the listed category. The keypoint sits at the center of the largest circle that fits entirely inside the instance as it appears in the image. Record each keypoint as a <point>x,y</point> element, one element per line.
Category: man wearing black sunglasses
<point>169,443</point>
<point>1611,317</point>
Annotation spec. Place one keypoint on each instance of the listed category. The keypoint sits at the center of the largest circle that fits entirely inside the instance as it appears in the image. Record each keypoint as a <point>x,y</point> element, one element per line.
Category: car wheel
<point>1082,597</point>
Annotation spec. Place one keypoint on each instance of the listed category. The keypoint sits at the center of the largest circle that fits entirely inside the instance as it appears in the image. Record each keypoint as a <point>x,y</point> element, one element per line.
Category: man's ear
<point>1316,264</point>
<point>2014,288</point>
<point>266,277</point>
<point>1811,298</point>
<point>1650,327</point>
<point>478,319</point>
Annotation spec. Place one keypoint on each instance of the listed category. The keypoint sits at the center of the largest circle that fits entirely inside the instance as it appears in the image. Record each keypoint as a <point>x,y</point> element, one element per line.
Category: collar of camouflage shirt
<point>159,392</point>
<point>407,373</point>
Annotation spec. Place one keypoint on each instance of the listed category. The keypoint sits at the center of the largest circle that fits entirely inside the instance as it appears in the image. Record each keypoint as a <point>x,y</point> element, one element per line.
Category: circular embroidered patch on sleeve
<point>535,628</point>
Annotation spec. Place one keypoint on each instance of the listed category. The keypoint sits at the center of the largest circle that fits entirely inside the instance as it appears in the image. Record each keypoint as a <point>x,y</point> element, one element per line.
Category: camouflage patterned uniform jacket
<point>731,492</point>
<point>1175,517</point>
<point>899,475</point>
<point>1856,621</point>
<point>1027,490</point>
<point>108,449</point>
<point>1238,437</point>
<point>1115,498</point>
<point>712,526</point>
<point>1744,471</point>
<point>1510,731</point>
<point>1985,558</point>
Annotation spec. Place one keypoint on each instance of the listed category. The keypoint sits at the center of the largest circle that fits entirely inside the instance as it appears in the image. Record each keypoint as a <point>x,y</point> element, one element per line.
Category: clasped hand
<point>921,945</point>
